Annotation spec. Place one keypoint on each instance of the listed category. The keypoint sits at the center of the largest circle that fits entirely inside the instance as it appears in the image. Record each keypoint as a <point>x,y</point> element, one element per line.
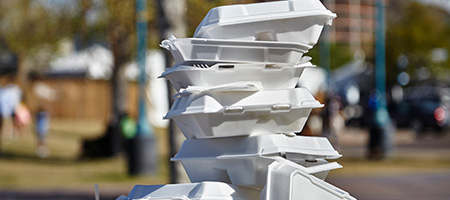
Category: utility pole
<point>381,136</point>
<point>142,158</point>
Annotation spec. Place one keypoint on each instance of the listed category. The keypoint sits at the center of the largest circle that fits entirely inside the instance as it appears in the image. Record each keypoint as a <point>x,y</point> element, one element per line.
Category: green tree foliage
<point>32,31</point>
<point>339,55</point>
<point>415,30</point>
<point>197,9</point>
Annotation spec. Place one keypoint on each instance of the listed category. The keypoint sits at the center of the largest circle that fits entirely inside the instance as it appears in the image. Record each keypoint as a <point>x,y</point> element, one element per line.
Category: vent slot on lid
<point>226,67</point>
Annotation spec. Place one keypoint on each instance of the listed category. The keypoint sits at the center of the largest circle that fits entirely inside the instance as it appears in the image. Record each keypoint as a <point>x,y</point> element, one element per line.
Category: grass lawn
<point>21,169</point>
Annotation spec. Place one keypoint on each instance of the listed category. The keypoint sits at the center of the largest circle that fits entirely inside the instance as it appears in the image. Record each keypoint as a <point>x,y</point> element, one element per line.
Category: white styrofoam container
<point>216,50</point>
<point>287,21</point>
<point>222,112</point>
<point>272,76</point>
<point>191,191</point>
<point>288,182</point>
<point>294,148</point>
<point>285,181</point>
<point>243,161</point>
<point>244,171</point>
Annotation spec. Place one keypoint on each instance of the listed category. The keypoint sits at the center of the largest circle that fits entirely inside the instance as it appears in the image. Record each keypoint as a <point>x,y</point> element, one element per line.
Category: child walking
<point>42,124</point>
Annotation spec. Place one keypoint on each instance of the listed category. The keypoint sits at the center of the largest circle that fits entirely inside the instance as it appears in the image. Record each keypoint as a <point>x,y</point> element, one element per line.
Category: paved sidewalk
<point>417,186</point>
<point>420,184</point>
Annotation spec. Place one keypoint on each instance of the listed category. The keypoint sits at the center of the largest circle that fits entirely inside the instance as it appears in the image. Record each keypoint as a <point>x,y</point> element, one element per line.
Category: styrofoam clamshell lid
<point>243,96</point>
<point>216,50</point>
<point>290,21</point>
<point>248,171</point>
<point>287,179</point>
<point>271,75</point>
<point>259,145</point>
<point>244,161</point>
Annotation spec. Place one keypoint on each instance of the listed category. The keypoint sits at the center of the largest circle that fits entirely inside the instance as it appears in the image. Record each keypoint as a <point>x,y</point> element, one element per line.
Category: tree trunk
<point>120,45</point>
<point>111,144</point>
<point>22,78</point>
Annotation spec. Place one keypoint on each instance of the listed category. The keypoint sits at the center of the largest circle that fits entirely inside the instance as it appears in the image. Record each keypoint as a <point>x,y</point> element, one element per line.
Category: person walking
<point>42,125</point>
<point>10,97</point>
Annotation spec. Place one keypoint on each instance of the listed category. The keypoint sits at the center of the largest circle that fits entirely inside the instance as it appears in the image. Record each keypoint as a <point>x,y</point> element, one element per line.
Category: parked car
<point>423,107</point>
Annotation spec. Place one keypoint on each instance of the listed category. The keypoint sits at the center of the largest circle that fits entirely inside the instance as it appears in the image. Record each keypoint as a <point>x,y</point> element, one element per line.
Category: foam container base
<point>271,76</point>
<point>216,50</point>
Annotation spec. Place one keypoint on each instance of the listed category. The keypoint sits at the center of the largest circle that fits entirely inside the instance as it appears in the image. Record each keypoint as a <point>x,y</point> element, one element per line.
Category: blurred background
<point>69,95</point>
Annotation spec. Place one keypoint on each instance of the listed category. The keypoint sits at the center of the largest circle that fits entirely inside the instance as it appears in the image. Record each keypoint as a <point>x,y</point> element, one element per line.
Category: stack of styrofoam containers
<point>239,109</point>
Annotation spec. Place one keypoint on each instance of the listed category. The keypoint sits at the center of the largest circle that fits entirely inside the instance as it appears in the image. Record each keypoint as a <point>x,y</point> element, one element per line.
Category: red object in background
<point>439,115</point>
